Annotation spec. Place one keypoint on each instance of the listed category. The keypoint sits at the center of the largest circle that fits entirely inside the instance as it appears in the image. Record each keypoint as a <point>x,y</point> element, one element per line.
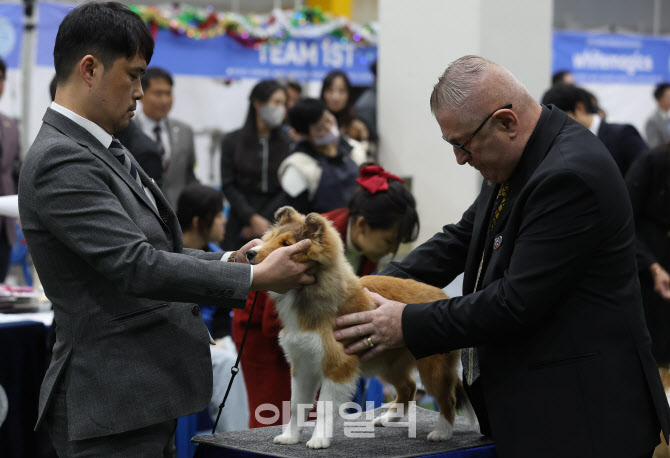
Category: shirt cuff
<point>225,257</point>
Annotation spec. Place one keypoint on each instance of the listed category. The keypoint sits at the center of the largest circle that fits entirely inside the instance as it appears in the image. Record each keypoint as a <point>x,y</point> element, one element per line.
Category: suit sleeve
<point>553,242</point>
<point>238,202</point>
<point>638,181</point>
<point>78,206</point>
<point>439,260</point>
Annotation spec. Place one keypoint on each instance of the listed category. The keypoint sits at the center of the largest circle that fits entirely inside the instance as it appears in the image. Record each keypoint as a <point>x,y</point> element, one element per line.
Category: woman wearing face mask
<point>320,175</point>
<point>250,158</point>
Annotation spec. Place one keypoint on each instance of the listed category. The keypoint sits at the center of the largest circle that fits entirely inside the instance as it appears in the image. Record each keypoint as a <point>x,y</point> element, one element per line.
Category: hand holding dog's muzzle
<point>374,330</point>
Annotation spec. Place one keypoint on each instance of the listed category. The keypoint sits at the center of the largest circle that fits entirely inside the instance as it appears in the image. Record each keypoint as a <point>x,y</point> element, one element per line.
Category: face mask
<point>332,136</point>
<point>273,116</point>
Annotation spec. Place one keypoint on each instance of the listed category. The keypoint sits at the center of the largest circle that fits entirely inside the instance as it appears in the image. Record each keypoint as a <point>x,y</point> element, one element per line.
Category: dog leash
<point>234,371</point>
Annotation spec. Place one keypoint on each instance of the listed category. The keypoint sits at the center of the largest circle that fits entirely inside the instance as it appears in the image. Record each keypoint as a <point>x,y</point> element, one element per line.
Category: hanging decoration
<point>255,30</point>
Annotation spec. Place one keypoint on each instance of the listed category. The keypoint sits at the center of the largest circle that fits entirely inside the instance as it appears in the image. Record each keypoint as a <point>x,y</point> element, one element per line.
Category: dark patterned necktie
<point>120,154</point>
<point>469,356</point>
<point>501,200</point>
<point>159,139</point>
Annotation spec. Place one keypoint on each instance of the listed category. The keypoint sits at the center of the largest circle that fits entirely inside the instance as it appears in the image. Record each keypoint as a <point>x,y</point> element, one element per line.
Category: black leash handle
<point>235,369</point>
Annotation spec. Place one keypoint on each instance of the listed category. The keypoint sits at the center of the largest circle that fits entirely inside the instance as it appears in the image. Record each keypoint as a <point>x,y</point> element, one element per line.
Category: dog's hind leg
<point>405,388</point>
<point>303,391</point>
<point>440,381</point>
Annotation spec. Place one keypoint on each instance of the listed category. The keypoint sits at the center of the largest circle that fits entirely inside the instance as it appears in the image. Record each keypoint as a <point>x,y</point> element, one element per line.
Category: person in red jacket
<point>381,214</point>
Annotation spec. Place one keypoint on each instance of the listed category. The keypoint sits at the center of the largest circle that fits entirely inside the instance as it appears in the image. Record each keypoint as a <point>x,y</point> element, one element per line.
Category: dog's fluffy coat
<point>317,360</point>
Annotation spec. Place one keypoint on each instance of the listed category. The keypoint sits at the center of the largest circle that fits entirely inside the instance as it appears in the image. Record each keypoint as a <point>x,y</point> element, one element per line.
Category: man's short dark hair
<point>3,67</point>
<point>660,90</point>
<point>155,73</point>
<point>295,86</point>
<point>305,113</point>
<point>566,97</point>
<point>108,31</point>
<point>557,77</point>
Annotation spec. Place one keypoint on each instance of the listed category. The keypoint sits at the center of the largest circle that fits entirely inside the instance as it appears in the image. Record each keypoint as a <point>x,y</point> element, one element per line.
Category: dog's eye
<point>285,243</point>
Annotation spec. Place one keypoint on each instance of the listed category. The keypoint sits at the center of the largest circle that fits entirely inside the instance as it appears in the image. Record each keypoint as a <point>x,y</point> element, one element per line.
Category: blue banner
<point>612,58</point>
<point>11,33</point>
<point>224,57</point>
<point>50,15</point>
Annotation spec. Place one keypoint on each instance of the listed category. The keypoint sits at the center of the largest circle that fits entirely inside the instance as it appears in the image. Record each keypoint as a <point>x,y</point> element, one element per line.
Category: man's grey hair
<point>472,85</point>
<point>458,82</point>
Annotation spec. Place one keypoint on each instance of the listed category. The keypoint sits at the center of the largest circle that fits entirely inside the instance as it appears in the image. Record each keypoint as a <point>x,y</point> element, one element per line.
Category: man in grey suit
<point>10,161</point>
<point>174,138</point>
<point>657,128</point>
<point>131,352</point>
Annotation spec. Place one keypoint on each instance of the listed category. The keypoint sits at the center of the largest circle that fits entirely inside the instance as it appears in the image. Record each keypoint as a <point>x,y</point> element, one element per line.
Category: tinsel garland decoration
<point>254,30</point>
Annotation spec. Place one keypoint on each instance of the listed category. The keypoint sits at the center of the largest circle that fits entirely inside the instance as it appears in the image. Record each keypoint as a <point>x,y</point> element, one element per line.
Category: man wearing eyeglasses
<point>556,355</point>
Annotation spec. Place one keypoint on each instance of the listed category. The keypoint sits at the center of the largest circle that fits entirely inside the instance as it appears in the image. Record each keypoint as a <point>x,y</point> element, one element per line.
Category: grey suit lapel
<point>87,140</point>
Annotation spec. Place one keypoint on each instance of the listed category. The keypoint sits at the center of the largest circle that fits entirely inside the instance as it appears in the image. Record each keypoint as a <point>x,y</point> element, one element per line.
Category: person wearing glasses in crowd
<point>556,356</point>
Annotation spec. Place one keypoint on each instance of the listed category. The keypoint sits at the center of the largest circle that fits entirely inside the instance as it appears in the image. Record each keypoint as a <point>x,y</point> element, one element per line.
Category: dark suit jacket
<point>623,142</point>
<point>566,367</point>
<point>131,347</point>
<point>144,149</point>
<point>648,182</point>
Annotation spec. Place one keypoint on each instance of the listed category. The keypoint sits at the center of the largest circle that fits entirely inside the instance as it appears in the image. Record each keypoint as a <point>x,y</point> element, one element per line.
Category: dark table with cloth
<point>22,366</point>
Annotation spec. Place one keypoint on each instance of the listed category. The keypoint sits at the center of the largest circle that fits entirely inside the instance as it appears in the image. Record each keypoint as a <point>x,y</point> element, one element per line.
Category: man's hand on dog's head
<point>382,327</point>
<point>279,273</point>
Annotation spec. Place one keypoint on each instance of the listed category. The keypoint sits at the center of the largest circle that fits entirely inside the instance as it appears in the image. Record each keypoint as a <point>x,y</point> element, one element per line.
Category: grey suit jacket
<point>657,130</point>
<point>10,159</point>
<point>130,350</point>
<point>180,172</point>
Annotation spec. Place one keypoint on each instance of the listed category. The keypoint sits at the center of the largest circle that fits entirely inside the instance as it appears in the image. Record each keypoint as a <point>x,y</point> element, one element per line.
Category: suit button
<point>195,310</point>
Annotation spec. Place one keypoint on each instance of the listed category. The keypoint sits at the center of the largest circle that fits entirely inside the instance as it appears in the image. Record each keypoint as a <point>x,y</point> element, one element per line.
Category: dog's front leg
<point>332,396</point>
<point>303,392</point>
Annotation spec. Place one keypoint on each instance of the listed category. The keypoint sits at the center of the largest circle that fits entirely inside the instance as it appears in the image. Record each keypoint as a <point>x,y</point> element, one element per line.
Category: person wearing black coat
<point>250,158</point>
<point>556,355</point>
<point>648,183</point>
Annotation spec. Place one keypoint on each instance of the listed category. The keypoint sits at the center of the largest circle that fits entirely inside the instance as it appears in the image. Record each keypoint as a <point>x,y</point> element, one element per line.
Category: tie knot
<point>116,146</point>
<point>157,129</point>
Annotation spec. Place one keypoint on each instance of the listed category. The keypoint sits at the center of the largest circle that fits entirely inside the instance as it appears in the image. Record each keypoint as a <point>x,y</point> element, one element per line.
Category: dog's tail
<point>463,403</point>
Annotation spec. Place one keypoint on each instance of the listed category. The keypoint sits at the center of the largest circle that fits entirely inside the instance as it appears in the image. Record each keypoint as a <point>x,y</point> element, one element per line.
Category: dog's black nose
<point>251,255</point>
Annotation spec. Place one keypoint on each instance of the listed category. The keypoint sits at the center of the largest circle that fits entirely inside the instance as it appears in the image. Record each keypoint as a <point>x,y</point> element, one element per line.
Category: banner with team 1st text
<point>303,59</point>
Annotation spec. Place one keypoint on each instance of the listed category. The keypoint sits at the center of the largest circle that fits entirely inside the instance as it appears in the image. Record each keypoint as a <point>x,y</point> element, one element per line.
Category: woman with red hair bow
<point>381,214</point>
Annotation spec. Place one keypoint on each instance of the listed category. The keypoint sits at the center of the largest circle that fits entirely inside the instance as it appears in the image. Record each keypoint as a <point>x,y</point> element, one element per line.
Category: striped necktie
<point>120,154</point>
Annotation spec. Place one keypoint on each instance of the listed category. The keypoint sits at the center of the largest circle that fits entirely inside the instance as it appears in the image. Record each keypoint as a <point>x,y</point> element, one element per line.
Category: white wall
<point>417,44</point>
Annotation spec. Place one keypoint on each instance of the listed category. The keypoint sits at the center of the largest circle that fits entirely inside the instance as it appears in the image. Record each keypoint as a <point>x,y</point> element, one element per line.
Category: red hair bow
<point>374,178</point>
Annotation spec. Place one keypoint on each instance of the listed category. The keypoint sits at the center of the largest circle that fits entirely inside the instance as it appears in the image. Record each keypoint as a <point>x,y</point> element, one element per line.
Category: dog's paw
<point>286,439</point>
<point>382,420</point>
<point>438,436</point>
<point>318,442</point>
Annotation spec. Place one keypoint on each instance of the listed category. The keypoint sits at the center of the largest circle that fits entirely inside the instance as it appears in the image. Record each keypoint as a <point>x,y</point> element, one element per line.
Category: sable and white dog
<point>317,360</point>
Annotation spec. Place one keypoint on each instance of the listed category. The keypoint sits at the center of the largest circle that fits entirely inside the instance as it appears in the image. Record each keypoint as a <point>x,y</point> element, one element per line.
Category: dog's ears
<point>314,226</point>
<point>285,215</point>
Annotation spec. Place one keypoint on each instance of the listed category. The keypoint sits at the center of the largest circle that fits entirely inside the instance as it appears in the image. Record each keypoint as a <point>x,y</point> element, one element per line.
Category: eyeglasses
<point>506,107</point>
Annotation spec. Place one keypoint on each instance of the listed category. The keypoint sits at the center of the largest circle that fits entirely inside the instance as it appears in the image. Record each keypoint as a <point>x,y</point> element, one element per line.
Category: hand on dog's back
<point>279,273</point>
